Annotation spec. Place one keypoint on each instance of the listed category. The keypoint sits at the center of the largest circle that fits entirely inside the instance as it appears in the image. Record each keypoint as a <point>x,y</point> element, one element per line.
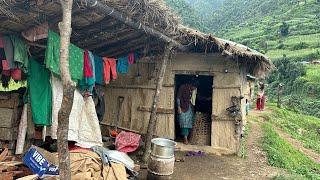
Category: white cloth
<point>193,97</point>
<point>22,130</point>
<point>83,121</point>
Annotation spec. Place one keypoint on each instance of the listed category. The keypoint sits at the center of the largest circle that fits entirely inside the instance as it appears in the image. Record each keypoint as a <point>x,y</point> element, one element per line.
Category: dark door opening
<point>198,90</point>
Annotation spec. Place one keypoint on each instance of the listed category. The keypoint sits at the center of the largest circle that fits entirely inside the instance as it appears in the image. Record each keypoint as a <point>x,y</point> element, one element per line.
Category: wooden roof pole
<point>154,107</point>
<point>107,10</point>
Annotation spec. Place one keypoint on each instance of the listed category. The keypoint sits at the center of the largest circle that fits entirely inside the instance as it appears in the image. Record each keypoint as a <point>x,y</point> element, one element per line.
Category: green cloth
<point>52,58</point>
<point>185,131</point>
<point>20,53</point>
<point>40,93</point>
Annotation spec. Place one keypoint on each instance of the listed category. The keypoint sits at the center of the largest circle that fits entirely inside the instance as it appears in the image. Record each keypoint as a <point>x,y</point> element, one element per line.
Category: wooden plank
<point>122,128</point>
<point>132,87</point>
<point>155,102</point>
<point>10,163</point>
<point>4,154</point>
<point>159,110</point>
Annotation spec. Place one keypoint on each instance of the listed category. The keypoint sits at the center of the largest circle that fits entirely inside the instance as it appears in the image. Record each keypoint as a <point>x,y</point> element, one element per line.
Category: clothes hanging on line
<point>40,93</point>
<point>92,65</point>
<point>109,67</point>
<point>84,126</point>
<point>87,68</point>
<point>20,53</point>
<point>88,81</point>
<point>123,65</point>
<point>131,58</point>
<point>52,57</point>
<point>1,42</point>
<point>16,74</point>
<point>8,49</point>
<point>98,65</point>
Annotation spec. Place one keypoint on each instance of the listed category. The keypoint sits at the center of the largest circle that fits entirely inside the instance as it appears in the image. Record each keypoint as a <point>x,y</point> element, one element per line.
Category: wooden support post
<point>68,91</point>
<point>279,92</point>
<point>107,10</point>
<point>154,108</point>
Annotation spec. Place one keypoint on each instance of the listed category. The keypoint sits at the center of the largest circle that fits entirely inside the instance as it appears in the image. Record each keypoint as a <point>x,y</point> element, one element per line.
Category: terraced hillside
<point>302,42</point>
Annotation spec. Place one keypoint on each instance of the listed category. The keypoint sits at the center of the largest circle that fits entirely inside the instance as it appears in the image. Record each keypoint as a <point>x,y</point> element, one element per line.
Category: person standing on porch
<point>185,109</point>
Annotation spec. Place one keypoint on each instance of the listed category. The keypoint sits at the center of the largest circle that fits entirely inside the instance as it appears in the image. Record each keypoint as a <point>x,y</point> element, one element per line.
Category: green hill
<point>257,23</point>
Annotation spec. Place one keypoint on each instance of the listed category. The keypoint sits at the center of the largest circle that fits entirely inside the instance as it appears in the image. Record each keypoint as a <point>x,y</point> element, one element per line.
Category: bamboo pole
<point>154,108</point>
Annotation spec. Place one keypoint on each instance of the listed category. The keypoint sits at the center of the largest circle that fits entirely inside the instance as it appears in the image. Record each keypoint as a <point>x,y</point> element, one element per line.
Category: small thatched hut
<point>116,28</point>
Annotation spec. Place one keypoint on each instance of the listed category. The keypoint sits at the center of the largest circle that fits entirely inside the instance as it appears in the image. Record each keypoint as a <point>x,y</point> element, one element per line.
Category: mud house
<point>221,77</point>
<point>117,28</point>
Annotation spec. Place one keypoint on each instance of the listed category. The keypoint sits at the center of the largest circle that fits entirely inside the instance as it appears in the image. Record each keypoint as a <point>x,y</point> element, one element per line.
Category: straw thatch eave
<point>117,27</point>
<point>94,28</point>
<point>258,64</point>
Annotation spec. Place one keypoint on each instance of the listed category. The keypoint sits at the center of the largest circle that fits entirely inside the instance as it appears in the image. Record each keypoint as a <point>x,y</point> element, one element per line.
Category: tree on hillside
<point>287,72</point>
<point>284,29</point>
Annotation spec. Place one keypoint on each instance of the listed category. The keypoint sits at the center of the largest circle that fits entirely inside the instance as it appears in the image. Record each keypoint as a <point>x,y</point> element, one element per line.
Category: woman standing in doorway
<point>185,109</point>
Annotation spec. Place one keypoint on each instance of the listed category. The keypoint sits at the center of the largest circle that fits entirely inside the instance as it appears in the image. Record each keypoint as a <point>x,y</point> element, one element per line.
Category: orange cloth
<point>109,65</point>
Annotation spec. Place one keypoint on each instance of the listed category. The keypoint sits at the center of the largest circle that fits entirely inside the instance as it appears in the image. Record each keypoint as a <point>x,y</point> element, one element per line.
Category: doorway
<point>200,95</point>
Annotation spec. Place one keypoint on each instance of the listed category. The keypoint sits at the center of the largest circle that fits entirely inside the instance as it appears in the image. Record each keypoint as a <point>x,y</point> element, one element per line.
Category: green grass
<point>312,40</point>
<point>281,154</point>
<point>299,126</point>
<point>296,54</point>
<point>243,146</point>
<point>313,74</point>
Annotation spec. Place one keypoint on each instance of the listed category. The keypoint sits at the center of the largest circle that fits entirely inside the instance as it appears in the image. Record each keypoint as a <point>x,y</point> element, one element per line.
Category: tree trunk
<point>68,91</point>
<point>279,102</point>
<point>153,115</point>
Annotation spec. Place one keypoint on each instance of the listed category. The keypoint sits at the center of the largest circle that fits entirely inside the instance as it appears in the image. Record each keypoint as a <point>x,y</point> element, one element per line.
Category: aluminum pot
<point>162,148</point>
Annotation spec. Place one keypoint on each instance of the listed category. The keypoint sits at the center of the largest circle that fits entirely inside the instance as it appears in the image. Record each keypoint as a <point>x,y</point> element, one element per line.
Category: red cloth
<point>16,74</point>
<point>1,42</point>
<point>87,70</point>
<point>131,58</point>
<point>109,65</point>
<point>127,141</point>
<point>5,65</point>
<point>260,102</point>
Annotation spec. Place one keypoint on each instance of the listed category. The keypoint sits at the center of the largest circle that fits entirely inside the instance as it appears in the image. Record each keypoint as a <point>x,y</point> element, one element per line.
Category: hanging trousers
<point>109,67</point>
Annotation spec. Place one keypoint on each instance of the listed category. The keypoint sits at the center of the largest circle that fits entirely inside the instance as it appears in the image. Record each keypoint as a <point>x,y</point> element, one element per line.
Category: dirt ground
<point>227,167</point>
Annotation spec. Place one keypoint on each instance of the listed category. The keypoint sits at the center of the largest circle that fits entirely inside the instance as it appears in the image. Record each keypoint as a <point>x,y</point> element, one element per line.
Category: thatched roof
<point>97,29</point>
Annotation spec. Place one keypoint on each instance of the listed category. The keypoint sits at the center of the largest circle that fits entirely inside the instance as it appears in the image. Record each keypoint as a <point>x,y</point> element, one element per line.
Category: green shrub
<point>301,45</point>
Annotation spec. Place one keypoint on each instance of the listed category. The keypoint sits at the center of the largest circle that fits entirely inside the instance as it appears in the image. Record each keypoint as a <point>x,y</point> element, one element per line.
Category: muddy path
<point>215,167</point>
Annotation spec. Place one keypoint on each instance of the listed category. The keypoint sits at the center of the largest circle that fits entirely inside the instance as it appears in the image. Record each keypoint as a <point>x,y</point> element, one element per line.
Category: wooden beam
<point>92,34</point>
<point>122,46</point>
<point>159,110</point>
<point>140,47</point>
<point>154,107</point>
<point>103,38</point>
<point>119,45</point>
<point>116,39</point>
<point>104,21</point>
<point>90,40</point>
<point>105,9</point>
